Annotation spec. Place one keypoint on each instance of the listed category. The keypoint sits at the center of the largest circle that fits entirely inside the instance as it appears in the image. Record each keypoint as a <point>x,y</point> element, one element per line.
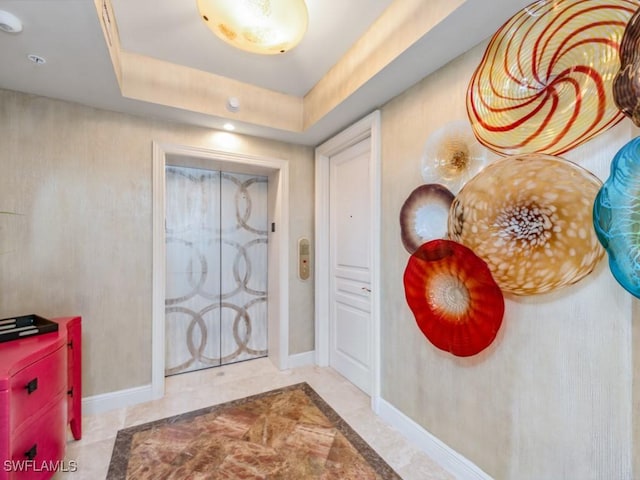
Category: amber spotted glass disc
<point>455,301</point>
<point>545,81</point>
<point>530,218</point>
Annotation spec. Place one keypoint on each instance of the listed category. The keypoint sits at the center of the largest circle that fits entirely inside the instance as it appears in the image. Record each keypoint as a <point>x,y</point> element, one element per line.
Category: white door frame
<point>368,127</point>
<point>278,247</point>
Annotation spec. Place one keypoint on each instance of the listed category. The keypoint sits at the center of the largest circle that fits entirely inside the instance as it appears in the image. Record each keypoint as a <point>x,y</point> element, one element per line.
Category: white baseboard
<point>459,466</point>
<point>131,396</point>
<point>302,359</point>
<point>119,399</point>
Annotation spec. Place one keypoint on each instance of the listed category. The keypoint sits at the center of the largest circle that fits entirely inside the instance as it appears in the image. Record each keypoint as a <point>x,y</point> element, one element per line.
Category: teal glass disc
<point>616,217</point>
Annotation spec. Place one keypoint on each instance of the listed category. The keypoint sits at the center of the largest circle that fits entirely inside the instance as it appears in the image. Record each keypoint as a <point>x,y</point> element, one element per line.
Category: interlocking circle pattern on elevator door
<point>216,268</point>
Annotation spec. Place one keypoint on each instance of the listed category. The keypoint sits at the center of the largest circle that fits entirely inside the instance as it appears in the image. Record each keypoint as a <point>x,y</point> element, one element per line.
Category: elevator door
<point>216,268</point>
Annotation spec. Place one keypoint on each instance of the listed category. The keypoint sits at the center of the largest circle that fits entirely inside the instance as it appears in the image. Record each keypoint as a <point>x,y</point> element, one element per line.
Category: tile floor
<point>191,391</point>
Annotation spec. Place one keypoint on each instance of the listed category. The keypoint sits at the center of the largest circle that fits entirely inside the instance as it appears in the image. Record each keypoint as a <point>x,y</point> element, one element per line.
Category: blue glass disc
<point>616,217</point>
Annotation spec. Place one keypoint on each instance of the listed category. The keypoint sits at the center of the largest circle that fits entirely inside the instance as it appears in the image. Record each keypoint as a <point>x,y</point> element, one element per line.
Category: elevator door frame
<point>277,171</point>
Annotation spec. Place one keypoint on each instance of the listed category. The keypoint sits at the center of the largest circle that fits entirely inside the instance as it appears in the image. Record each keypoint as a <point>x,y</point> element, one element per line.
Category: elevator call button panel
<point>304,259</point>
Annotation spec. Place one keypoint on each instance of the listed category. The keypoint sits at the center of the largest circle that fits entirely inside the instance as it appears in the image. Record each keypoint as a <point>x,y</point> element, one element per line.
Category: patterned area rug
<point>285,434</point>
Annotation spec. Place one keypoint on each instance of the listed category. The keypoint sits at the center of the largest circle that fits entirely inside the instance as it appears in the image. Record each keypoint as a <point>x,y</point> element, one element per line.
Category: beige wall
<point>552,397</point>
<point>81,180</point>
<point>635,342</point>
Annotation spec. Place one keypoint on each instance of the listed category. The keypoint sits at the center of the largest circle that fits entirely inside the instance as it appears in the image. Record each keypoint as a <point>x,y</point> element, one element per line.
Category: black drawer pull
<point>33,451</point>
<point>32,386</point>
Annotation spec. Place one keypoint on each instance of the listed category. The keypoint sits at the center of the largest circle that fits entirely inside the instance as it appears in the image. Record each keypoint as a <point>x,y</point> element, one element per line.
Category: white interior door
<point>350,319</point>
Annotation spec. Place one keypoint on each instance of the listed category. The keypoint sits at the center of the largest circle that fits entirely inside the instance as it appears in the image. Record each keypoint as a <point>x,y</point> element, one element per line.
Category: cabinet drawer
<point>39,444</point>
<point>34,386</point>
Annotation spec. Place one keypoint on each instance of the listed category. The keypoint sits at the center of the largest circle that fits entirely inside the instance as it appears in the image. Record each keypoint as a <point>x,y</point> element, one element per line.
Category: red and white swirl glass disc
<point>545,82</point>
<point>454,299</point>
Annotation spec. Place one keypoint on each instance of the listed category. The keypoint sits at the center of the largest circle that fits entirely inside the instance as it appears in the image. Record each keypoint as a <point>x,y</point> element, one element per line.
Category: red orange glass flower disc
<point>456,303</point>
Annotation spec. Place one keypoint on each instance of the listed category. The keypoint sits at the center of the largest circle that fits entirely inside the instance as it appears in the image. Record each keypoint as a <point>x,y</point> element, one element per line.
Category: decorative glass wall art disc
<point>545,81</point>
<point>616,217</point>
<point>423,215</point>
<point>530,218</point>
<point>455,301</point>
<point>626,85</point>
<point>452,155</point>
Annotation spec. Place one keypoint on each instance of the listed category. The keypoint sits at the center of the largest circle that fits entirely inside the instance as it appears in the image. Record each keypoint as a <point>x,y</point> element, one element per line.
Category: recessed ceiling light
<point>229,127</point>
<point>37,59</point>
<point>9,22</point>
<point>266,26</point>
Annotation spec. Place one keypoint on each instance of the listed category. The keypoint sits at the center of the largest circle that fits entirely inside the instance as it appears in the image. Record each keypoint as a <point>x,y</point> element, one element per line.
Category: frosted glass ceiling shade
<point>258,26</point>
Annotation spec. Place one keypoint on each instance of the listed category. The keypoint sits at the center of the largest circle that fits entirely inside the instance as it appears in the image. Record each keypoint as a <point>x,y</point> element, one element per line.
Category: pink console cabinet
<point>40,394</point>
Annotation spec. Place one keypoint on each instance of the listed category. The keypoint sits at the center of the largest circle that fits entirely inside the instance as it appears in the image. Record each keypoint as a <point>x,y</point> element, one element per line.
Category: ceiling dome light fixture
<point>260,26</point>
